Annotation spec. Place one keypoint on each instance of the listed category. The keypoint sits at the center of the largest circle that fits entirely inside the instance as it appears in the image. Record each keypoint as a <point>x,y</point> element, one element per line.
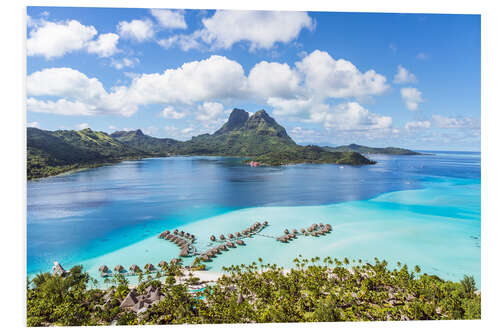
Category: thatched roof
<point>230,236</point>
<point>184,252</point>
<point>155,295</point>
<point>176,231</point>
<point>238,234</point>
<point>216,250</point>
<point>314,226</point>
<point>149,267</point>
<point>303,230</point>
<point>230,244</point>
<point>134,268</point>
<point>57,269</point>
<point>240,242</point>
<point>129,301</point>
<point>286,231</point>
<point>265,223</point>
<point>103,268</point>
<point>119,268</point>
<point>212,238</point>
<point>222,237</point>
<point>182,233</point>
<point>294,231</point>
<point>310,229</point>
<point>222,247</point>
<point>162,263</point>
<point>205,258</point>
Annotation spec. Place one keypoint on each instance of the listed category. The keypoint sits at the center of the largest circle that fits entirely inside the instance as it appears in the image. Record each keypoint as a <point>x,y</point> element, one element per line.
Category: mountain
<point>53,152</point>
<point>138,140</point>
<point>258,137</point>
<point>370,150</point>
<point>241,135</point>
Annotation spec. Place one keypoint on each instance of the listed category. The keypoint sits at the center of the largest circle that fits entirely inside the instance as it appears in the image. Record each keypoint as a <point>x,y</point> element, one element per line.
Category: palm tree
<point>417,269</point>
<point>469,285</point>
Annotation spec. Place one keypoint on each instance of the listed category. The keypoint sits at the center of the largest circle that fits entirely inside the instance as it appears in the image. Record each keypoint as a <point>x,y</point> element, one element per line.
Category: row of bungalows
<point>134,269</point>
<point>313,230</point>
<point>213,252</point>
<point>253,229</point>
<point>182,239</point>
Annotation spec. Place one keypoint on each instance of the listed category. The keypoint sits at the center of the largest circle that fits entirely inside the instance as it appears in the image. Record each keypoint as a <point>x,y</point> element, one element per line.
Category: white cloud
<point>185,42</point>
<point>404,76</point>
<point>412,97</point>
<point>187,130</point>
<point>170,113</point>
<point>169,19</point>
<point>138,30</point>
<point>33,124</point>
<point>124,62</point>
<point>447,122</point>
<point>150,130</point>
<point>209,111</point>
<point>79,94</point>
<point>263,29</point>
<point>50,39</point>
<point>327,77</point>
<point>112,128</point>
<point>273,79</point>
<point>214,78</point>
<point>82,126</point>
<point>352,116</point>
<point>412,125</point>
<point>104,46</point>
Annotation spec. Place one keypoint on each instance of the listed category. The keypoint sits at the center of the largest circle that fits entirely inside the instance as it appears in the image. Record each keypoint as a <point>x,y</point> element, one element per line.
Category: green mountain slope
<point>50,153</point>
<point>241,135</point>
<point>138,140</point>
<point>370,150</point>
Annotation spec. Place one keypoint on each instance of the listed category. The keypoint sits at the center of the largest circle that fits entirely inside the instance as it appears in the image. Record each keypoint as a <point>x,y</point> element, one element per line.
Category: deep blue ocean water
<point>84,215</point>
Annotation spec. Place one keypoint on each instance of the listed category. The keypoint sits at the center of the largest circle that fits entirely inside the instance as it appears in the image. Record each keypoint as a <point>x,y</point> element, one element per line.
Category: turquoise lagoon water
<point>421,210</point>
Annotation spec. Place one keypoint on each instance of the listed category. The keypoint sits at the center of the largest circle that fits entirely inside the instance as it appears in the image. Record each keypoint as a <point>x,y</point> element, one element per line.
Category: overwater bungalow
<point>295,231</point>
<point>238,234</point>
<point>175,261</point>
<point>103,269</point>
<point>303,231</point>
<point>176,231</point>
<point>134,268</point>
<point>119,268</point>
<point>162,263</point>
<point>222,247</point>
<point>205,258</point>
<point>265,223</point>
<point>230,236</point>
<point>240,242</point>
<point>230,244</point>
<point>149,267</point>
<point>286,231</point>
<point>212,238</point>
<point>222,237</point>
<point>184,252</point>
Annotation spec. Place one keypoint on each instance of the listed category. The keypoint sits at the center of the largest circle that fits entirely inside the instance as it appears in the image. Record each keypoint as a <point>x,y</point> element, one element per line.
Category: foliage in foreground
<point>330,290</point>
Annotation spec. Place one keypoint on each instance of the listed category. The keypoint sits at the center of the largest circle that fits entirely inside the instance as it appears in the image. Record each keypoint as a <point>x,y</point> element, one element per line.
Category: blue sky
<point>409,80</point>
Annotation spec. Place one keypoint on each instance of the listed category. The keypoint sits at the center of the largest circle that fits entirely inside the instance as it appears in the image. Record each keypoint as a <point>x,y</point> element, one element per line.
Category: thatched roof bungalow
<point>57,269</point>
<point>134,268</point>
<point>103,268</point>
<point>230,236</point>
<point>162,263</point>
<point>238,234</point>
<point>149,267</point>
<point>222,237</point>
<point>119,268</point>
<point>240,242</point>
<point>212,238</point>
<point>230,244</point>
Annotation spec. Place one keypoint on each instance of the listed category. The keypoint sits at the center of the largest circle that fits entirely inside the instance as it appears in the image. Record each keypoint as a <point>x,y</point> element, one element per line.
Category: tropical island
<point>314,291</point>
<point>257,137</point>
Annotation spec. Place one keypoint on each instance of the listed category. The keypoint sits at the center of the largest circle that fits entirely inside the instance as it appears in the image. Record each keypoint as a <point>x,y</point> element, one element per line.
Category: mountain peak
<point>139,132</point>
<point>237,120</point>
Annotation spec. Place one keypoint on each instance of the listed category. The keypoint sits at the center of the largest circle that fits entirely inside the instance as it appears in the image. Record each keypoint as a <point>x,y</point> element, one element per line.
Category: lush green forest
<point>370,150</point>
<point>315,290</point>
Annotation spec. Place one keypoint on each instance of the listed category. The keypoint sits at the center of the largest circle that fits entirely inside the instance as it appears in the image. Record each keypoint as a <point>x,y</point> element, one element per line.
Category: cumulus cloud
<point>138,30</point>
<point>169,19</point>
<point>449,122</point>
<point>352,116</point>
<point>412,97</point>
<point>303,91</point>
<point>261,29</point>
<point>51,39</point>
<point>327,77</point>
<point>412,125</point>
<point>104,46</point>
<point>79,94</point>
<point>209,111</point>
<point>33,124</point>
<point>404,76</point>
<point>170,113</point>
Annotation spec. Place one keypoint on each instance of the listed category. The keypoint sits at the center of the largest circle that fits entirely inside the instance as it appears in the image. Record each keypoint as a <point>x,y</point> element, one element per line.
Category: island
<point>371,150</point>
<point>257,137</point>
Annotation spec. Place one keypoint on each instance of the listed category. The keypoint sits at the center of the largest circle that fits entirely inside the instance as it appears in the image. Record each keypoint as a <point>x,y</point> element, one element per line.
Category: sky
<point>330,78</point>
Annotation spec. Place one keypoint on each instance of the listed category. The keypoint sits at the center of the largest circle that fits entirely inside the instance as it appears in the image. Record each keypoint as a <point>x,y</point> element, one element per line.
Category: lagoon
<point>421,210</point>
